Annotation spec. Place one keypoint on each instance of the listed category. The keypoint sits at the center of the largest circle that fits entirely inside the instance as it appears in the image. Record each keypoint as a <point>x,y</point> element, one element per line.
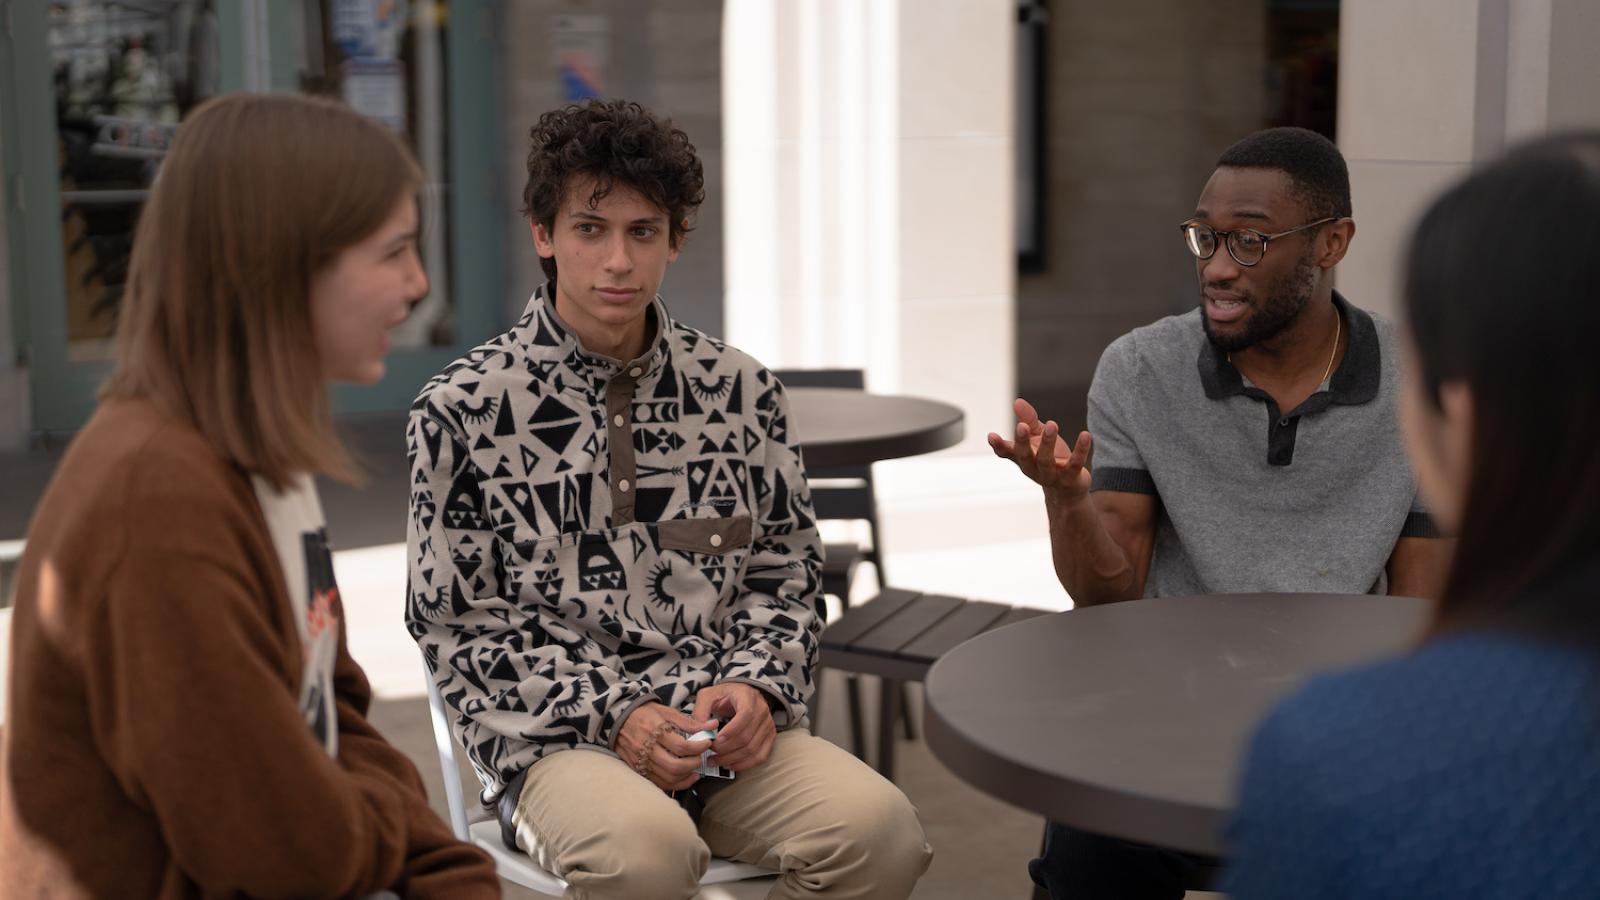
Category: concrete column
<point>1429,88</point>
<point>1410,102</point>
<point>16,419</point>
<point>1572,87</point>
<point>870,193</point>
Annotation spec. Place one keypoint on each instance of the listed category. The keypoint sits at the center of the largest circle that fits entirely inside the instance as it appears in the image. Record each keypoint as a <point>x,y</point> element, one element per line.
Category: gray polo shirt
<point>1253,498</point>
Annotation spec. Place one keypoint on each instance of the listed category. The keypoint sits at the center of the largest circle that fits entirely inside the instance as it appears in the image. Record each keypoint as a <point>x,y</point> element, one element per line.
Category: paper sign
<point>580,45</point>
<point>377,89</point>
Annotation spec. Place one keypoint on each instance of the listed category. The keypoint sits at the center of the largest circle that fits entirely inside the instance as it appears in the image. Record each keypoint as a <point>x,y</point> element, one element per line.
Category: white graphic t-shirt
<point>299,532</point>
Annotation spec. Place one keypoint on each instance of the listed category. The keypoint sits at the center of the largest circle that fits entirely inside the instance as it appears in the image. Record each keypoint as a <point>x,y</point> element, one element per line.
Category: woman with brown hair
<point>184,716</point>
<point>1471,766</point>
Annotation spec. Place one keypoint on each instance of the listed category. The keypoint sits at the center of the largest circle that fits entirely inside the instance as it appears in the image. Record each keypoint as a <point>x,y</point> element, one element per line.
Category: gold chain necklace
<point>1338,322</point>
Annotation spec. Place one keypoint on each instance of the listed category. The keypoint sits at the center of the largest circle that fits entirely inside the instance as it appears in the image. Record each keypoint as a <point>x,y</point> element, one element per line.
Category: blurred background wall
<point>967,198</point>
<point>1141,97</point>
<point>1429,89</point>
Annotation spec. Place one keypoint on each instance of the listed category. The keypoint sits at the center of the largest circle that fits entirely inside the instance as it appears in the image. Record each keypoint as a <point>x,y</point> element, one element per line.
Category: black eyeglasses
<point>1245,245</point>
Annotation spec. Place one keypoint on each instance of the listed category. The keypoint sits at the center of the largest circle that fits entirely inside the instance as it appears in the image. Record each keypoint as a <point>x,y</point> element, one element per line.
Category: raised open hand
<point>1062,470</point>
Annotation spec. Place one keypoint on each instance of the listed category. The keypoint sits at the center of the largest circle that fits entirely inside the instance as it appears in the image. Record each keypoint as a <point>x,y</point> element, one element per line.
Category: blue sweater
<point>1468,769</point>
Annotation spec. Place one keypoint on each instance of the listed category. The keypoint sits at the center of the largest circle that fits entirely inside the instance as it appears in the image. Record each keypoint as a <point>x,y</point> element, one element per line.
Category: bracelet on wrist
<point>641,759</point>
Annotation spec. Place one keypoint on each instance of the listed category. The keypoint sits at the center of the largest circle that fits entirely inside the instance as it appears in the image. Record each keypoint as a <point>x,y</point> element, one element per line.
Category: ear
<point>1333,241</point>
<point>677,242</point>
<point>1455,402</point>
<point>542,240</point>
<point>1457,412</point>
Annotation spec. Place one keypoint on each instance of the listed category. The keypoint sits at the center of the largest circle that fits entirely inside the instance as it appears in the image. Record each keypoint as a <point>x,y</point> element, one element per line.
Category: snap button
<point>716,540</point>
<point>1283,422</point>
<point>617,420</point>
<point>636,371</point>
<point>623,485</point>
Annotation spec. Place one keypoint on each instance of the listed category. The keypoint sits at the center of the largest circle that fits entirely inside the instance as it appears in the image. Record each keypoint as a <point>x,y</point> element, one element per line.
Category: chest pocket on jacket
<point>711,536</point>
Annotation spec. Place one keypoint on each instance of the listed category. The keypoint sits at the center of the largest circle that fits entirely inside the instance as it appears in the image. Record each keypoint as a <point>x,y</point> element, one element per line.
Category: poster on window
<point>579,44</point>
<point>368,29</point>
<point>377,89</point>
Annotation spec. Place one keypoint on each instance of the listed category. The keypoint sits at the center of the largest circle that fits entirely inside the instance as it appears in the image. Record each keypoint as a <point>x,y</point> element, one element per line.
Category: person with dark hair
<point>184,716</point>
<point>1470,767</point>
<point>615,565</point>
<point>1249,445</point>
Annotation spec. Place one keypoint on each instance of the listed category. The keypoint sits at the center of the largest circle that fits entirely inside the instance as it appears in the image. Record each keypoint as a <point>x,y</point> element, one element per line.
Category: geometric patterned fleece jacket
<point>587,535</point>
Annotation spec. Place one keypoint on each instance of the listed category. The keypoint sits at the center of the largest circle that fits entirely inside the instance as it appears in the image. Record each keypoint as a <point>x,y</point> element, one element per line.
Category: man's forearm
<point>1089,563</point>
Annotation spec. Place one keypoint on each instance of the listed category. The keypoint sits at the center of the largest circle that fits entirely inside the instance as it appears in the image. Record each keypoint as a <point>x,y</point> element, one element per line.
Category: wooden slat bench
<point>897,635</point>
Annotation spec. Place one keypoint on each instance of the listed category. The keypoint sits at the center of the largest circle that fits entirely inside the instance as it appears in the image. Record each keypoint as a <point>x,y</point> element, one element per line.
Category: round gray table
<point>844,427</point>
<point>1131,719</point>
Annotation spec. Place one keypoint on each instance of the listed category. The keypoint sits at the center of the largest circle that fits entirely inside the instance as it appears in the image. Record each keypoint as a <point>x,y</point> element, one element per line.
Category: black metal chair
<point>846,493</point>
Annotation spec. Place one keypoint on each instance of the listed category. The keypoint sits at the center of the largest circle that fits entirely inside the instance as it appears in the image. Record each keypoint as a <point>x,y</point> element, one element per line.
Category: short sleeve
<point>1113,410</point>
<point>1418,522</point>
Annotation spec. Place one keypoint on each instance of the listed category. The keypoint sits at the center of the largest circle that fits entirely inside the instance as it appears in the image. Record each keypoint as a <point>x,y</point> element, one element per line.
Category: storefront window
<point>124,73</point>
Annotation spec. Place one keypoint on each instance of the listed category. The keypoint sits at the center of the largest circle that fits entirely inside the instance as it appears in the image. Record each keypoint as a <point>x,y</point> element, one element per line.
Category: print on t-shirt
<point>299,534</point>
<point>321,636</point>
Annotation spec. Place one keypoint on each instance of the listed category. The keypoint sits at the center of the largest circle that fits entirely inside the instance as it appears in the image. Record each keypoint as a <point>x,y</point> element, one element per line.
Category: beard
<point>1287,297</point>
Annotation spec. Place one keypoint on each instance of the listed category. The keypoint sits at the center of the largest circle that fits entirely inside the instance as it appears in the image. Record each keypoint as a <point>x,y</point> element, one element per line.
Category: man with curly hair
<point>613,550</point>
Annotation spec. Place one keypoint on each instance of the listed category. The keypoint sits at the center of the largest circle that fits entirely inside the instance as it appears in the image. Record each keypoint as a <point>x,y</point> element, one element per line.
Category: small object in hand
<point>706,767</point>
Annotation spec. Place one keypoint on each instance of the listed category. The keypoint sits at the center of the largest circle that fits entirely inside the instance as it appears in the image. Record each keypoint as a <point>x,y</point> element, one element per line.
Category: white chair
<point>514,865</point>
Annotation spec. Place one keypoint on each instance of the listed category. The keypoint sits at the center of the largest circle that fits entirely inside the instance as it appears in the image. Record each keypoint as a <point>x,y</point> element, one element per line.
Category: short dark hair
<point>1502,292</point>
<point>614,142</point>
<point>1316,168</point>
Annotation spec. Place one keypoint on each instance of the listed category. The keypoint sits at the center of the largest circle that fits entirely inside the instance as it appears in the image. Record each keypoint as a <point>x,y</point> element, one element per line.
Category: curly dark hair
<point>1317,172</point>
<point>611,141</point>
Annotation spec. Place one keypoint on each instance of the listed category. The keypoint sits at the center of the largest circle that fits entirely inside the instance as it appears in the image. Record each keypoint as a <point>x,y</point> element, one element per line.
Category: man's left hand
<point>746,741</point>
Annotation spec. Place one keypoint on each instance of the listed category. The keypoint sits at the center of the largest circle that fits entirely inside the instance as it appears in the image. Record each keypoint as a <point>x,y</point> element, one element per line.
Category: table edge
<point>878,449</point>
<point>1063,799</point>
<point>1176,824</point>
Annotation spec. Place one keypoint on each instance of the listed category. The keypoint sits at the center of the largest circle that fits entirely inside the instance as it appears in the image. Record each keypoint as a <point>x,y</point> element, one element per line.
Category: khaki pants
<point>829,824</point>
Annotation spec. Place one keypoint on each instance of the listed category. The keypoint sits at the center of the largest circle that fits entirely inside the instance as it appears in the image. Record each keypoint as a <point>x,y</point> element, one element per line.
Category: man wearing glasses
<point>1247,445</point>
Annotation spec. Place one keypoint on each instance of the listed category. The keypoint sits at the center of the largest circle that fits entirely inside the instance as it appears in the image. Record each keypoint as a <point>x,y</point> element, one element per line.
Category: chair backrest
<point>848,379</point>
<point>844,492</point>
<point>850,496</point>
<point>446,745</point>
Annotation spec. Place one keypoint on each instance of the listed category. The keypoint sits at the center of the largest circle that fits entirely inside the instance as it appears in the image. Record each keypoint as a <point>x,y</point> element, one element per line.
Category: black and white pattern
<point>587,535</point>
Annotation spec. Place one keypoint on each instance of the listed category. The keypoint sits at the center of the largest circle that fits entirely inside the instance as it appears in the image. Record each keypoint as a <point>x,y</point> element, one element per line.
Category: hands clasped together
<point>654,738</point>
<point>1062,470</point>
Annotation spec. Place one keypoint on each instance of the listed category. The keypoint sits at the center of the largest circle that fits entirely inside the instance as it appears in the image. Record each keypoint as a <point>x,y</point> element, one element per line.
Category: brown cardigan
<point>154,746</point>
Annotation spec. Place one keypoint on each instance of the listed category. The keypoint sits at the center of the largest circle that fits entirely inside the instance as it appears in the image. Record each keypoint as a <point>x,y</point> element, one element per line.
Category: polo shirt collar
<point>1355,381</point>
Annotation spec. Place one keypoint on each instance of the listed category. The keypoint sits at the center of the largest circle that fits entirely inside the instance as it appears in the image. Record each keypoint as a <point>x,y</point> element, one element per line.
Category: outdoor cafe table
<point>1130,719</point>
<point>845,427</point>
